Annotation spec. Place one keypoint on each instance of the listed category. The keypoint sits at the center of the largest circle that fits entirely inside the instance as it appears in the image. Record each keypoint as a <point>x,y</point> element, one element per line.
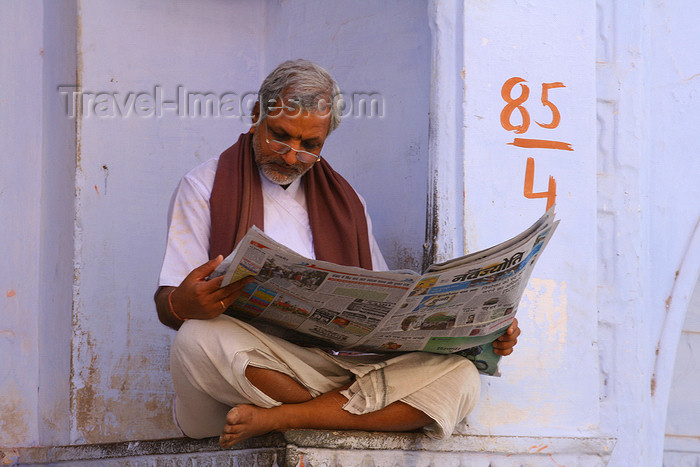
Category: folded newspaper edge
<point>457,306</point>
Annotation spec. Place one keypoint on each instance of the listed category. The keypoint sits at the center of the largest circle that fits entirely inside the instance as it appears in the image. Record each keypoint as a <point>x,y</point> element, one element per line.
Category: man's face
<point>300,129</point>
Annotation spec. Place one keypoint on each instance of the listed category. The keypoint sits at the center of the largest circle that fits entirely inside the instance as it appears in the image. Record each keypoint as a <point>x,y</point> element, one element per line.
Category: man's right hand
<point>198,298</point>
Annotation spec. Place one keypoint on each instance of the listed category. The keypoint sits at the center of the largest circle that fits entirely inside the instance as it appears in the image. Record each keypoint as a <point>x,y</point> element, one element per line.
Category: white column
<point>499,66</point>
<point>21,49</point>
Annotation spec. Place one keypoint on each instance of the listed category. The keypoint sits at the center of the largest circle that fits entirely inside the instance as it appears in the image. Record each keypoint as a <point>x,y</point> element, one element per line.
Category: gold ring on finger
<point>222,305</point>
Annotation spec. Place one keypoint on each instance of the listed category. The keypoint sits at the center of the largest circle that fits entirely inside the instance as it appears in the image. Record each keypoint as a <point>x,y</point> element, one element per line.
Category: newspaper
<point>458,306</point>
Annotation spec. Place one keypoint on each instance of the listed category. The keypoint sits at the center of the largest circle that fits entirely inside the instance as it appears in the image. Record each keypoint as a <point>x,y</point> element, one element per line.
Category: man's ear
<point>256,115</point>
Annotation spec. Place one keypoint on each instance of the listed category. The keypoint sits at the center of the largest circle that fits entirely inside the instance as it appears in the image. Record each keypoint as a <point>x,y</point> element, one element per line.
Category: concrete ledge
<point>347,448</point>
<point>320,448</point>
<point>264,451</point>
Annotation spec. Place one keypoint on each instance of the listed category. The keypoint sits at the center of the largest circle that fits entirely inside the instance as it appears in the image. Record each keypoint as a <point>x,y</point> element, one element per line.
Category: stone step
<point>321,448</point>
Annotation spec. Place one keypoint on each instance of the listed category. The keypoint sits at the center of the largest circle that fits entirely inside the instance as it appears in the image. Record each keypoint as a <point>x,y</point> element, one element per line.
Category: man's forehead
<point>299,122</point>
<point>297,107</point>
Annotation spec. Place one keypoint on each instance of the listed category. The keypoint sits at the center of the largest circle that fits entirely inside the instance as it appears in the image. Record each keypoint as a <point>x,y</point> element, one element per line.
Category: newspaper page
<point>459,306</point>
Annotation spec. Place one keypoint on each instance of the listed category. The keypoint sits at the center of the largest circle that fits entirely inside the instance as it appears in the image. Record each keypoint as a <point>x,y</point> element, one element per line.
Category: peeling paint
<point>78,83</point>
<point>431,224</point>
<point>77,224</point>
<point>13,416</point>
<point>505,413</point>
<point>547,307</point>
<point>105,170</point>
<point>500,412</point>
<point>86,400</point>
<point>403,257</point>
<point>102,413</point>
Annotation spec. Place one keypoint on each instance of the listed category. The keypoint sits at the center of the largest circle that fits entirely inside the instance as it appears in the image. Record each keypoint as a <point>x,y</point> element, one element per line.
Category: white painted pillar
<point>603,313</point>
<point>648,211</point>
<point>21,74</point>
<point>446,223</point>
<point>37,147</point>
<point>512,82</point>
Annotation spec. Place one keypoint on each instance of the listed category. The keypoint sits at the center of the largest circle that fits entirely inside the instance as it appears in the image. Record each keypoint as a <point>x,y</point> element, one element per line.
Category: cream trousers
<point>208,360</point>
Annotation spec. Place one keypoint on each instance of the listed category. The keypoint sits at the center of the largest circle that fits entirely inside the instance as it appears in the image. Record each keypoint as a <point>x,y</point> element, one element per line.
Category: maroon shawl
<point>336,215</point>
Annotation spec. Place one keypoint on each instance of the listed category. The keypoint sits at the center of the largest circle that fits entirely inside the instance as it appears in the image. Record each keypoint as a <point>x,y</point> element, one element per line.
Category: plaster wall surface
<point>57,224</point>
<point>525,74</point>
<point>130,160</point>
<point>614,198</point>
<point>624,339</point>
<point>20,198</point>
<point>380,52</point>
<point>111,106</point>
<point>682,440</point>
<point>648,214</point>
<point>673,93</point>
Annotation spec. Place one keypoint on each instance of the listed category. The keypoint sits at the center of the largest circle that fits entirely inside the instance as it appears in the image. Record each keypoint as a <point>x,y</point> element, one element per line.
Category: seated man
<point>230,378</point>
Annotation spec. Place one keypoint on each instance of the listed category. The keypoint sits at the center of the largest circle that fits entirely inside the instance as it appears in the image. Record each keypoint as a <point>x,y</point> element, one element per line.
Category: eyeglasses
<point>279,147</point>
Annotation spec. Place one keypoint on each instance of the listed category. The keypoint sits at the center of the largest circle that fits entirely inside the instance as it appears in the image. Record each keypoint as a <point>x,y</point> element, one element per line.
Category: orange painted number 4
<point>550,194</point>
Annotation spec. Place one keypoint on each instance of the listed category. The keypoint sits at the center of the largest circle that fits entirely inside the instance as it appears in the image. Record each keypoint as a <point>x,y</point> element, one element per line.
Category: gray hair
<point>306,85</point>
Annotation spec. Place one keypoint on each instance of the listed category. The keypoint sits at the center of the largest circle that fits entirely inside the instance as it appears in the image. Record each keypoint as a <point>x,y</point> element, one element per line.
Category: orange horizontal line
<point>541,143</point>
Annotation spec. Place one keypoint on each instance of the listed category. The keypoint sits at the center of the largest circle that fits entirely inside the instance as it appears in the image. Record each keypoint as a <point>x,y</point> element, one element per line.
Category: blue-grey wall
<point>84,198</point>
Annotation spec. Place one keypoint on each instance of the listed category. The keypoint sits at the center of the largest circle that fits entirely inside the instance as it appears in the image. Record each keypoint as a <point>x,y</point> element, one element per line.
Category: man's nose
<point>290,157</point>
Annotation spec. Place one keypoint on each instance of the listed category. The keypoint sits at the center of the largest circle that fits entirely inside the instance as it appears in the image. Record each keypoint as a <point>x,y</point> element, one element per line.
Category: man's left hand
<point>504,345</point>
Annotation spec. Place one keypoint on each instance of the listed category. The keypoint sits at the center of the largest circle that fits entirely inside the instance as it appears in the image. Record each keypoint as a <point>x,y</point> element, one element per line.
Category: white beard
<point>268,167</point>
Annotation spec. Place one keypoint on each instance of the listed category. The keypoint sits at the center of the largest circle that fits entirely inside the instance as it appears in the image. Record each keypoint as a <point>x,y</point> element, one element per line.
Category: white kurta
<point>285,217</point>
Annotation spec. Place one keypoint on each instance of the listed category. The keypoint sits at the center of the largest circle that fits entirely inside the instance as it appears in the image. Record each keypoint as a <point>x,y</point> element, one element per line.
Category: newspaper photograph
<point>459,306</point>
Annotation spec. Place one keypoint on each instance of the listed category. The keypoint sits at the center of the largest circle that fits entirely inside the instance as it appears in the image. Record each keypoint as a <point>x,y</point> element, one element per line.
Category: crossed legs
<point>220,363</point>
<point>300,410</point>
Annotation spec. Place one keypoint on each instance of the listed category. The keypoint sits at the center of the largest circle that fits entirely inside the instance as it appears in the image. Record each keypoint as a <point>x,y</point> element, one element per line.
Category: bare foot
<point>246,421</point>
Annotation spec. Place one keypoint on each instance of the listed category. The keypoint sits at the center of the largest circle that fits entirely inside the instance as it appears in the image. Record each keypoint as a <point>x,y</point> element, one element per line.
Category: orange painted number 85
<point>512,104</point>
